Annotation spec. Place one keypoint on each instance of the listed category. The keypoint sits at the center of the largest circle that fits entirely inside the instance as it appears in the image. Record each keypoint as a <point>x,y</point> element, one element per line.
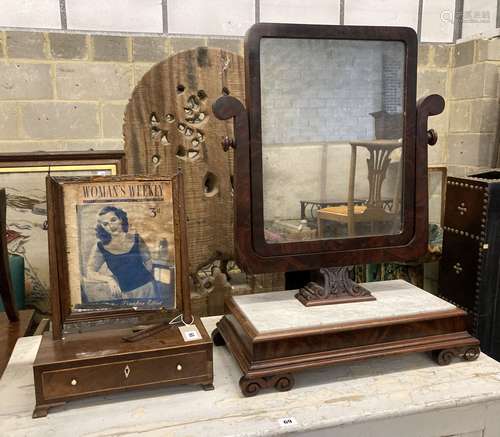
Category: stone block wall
<point>68,91</point>
<point>473,103</point>
<point>466,74</point>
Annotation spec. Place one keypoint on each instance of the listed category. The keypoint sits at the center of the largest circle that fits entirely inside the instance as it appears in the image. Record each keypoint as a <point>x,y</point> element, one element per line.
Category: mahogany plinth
<point>99,363</point>
<point>271,358</point>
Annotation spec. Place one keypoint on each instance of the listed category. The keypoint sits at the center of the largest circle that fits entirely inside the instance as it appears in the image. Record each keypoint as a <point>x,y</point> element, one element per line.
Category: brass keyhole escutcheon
<point>126,371</point>
<point>458,268</point>
<point>462,208</point>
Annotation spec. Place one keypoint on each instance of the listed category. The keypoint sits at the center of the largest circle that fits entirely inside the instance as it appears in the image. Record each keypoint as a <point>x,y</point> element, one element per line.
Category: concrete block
<point>25,81</point>
<point>490,80</point>
<point>56,120</point>
<point>68,46</point>
<point>440,122</point>
<point>140,70</point>
<point>89,81</point>
<point>424,54</point>
<point>484,115</point>
<point>29,45</point>
<point>298,11</point>
<point>460,116</point>
<point>180,44</point>
<point>473,434</point>
<point>30,13</point>
<point>458,171</point>
<point>435,209</point>
<point>148,49</point>
<point>231,45</point>
<point>431,82</point>
<point>110,48</point>
<point>437,153</point>
<point>437,20</point>
<point>14,146</point>
<point>112,119</point>
<point>488,50</point>
<point>442,53</point>
<point>479,17</point>
<point>463,54</point>
<point>8,120</point>
<point>471,170</point>
<point>435,183</point>
<point>382,13</point>
<point>216,17</point>
<point>472,149</point>
<point>2,45</point>
<point>115,15</point>
<point>477,80</point>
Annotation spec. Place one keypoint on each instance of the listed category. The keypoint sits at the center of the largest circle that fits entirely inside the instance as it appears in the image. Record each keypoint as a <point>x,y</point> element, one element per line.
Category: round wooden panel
<point>169,126</point>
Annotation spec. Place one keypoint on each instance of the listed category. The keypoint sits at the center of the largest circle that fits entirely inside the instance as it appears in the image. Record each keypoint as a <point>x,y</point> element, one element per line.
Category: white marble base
<point>281,311</point>
<point>404,396</point>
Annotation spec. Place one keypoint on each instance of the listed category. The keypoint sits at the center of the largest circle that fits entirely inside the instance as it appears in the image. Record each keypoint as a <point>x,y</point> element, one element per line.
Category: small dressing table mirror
<point>330,171</point>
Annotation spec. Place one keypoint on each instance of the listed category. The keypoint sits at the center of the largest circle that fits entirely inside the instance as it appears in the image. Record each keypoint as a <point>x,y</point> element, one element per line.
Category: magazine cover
<point>120,244</point>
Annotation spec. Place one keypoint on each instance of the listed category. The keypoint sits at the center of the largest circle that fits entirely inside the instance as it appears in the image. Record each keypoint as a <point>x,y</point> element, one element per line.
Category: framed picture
<point>117,247</point>
<point>23,177</point>
<point>437,193</point>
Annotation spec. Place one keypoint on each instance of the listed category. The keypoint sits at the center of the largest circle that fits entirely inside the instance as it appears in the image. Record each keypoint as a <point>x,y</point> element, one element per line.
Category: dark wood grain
<point>90,364</point>
<point>281,352</point>
<point>60,296</point>
<point>252,251</point>
<point>469,274</point>
<point>11,331</point>
<point>101,362</point>
<point>266,358</point>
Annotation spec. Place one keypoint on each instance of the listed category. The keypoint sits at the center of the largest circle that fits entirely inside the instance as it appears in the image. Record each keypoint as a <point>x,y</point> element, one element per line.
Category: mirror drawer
<point>123,374</point>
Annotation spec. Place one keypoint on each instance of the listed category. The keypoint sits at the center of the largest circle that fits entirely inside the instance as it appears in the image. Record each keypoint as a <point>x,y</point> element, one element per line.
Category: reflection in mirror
<point>332,129</point>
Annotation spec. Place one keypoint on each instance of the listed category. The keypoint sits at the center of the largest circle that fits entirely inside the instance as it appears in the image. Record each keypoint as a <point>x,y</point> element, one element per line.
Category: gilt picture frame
<point>23,177</point>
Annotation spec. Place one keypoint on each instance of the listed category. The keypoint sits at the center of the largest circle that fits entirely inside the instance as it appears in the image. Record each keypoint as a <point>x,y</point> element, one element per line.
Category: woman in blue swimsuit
<point>125,255</point>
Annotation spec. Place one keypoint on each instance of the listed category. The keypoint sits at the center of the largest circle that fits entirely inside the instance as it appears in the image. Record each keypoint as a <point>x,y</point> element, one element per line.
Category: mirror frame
<point>252,251</point>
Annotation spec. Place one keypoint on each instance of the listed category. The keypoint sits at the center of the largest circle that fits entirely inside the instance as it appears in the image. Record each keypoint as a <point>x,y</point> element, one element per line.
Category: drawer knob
<point>179,367</point>
<point>74,382</point>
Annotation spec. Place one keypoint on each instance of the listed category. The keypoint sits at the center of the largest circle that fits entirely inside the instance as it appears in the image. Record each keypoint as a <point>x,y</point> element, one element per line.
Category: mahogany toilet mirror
<point>331,171</point>
<point>330,153</point>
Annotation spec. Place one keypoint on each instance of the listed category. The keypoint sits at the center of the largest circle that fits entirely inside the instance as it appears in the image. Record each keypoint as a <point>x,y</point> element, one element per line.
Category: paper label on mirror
<point>190,332</point>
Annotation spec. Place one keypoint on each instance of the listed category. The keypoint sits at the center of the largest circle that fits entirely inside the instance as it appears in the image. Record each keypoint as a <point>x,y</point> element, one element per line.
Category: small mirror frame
<point>252,251</point>
<point>62,314</point>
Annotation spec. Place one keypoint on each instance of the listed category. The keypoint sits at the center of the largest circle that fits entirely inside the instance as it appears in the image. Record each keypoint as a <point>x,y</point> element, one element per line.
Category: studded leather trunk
<point>469,269</point>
